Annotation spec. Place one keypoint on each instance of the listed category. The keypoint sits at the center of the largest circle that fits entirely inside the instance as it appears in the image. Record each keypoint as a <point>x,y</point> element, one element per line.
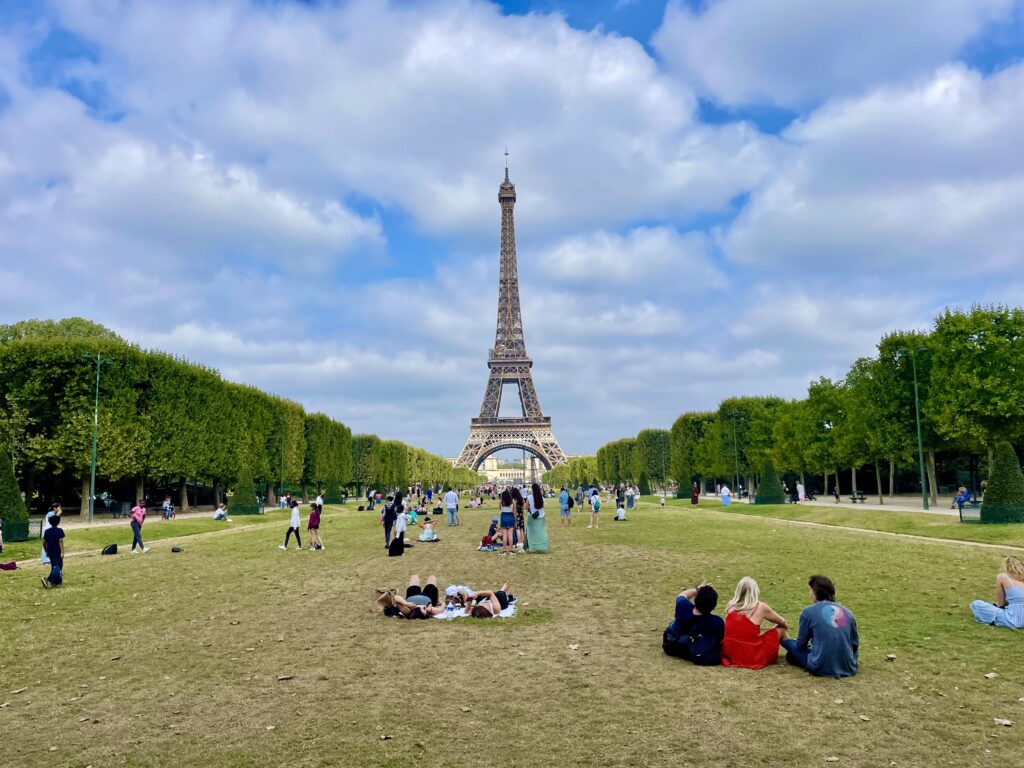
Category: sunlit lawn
<point>173,659</point>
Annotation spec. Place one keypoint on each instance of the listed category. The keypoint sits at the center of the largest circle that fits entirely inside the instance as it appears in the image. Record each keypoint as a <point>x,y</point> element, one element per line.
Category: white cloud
<point>924,181</point>
<point>792,52</point>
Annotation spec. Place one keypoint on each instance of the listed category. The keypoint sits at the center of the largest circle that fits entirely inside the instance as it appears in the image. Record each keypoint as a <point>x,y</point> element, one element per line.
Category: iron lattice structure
<point>509,364</point>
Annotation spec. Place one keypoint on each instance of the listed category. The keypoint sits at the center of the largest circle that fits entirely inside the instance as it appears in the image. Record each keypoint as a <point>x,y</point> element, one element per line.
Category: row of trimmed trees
<point>165,421</point>
<point>968,379</point>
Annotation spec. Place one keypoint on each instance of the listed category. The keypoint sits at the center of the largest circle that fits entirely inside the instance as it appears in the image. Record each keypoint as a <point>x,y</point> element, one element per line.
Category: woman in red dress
<point>744,644</point>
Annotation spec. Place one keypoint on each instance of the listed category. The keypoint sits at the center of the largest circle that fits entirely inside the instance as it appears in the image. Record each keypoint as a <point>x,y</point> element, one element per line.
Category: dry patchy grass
<point>174,659</point>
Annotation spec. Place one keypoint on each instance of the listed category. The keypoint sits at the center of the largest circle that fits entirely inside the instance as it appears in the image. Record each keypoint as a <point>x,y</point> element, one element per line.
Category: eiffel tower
<point>509,364</point>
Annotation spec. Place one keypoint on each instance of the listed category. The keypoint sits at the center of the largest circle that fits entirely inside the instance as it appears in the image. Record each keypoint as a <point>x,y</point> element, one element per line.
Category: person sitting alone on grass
<point>487,605</point>
<point>695,634</point>
<point>489,541</point>
<point>827,642</point>
<point>744,645</point>
<point>1008,609</point>
<point>620,513</point>
<point>221,513</point>
<point>428,533</point>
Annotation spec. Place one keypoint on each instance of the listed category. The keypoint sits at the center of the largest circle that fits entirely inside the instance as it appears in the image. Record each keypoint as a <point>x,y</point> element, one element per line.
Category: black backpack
<point>110,549</point>
<point>572,502</point>
<point>396,548</point>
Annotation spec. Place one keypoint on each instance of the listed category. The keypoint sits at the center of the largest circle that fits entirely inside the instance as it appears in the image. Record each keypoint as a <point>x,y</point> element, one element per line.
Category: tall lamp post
<point>100,362</point>
<point>917,416</point>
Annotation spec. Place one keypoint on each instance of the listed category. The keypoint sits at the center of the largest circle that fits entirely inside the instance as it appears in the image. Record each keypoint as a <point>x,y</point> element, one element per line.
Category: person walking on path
<point>451,502</point>
<point>694,494</point>
<point>387,519</point>
<point>137,518</point>
<point>293,527</point>
<point>53,543</point>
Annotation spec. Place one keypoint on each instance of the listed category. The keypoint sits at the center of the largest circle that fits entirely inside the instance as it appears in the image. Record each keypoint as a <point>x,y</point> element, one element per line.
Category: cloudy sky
<point>716,197</point>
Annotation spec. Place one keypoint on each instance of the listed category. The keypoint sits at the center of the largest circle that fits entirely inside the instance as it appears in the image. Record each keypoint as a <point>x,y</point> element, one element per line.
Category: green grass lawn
<point>173,659</point>
<point>892,521</point>
<point>154,529</point>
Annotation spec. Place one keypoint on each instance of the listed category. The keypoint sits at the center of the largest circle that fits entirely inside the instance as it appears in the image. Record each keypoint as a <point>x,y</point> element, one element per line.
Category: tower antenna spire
<point>506,163</point>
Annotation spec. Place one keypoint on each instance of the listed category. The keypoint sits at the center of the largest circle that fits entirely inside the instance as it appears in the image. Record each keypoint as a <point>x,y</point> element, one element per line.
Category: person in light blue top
<point>827,642</point>
<point>1008,609</point>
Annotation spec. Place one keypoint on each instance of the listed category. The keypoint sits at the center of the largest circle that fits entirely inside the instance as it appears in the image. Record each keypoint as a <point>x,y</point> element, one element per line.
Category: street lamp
<point>735,453</point>
<point>917,416</point>
<point>100,362</point>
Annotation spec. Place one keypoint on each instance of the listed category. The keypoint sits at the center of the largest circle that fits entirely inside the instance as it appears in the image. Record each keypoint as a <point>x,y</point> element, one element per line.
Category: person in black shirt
<point>695,634</point>
<point>53,543</point>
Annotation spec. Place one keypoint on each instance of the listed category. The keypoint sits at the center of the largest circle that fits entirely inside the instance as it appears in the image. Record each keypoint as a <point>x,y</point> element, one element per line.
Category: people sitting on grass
<point>744,644</point>
<point>1008,609</point>
<point>827,642</point>
<point>428,533</point>
<point>487,605</point>
<point>489,541</point>
<point>620,513</point>
<point>695,634</point>
<point>221,513</point>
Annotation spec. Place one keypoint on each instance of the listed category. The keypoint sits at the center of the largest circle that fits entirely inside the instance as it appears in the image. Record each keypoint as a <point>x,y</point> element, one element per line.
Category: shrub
<point>644,485</point>
<point>770,491</point>
<point>244,495</point>
<point>12,505</point>
<point>1004,497</point>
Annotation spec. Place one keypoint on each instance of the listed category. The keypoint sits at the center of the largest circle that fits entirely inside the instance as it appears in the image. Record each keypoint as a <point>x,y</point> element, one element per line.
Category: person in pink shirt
<point>138,515</point>
<point>315,542</point>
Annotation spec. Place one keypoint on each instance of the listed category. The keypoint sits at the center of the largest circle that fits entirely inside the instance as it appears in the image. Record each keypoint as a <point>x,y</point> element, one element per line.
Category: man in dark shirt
<point>53,543</point>
<point>695,634</point>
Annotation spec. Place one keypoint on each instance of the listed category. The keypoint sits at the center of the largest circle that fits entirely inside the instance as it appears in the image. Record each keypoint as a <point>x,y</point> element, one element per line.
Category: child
<point>53,543</point>
<point>293,527</point>
<point>315,542</point>
<point>620,513</point>
<point>221,513</point>
<point>595,508</point>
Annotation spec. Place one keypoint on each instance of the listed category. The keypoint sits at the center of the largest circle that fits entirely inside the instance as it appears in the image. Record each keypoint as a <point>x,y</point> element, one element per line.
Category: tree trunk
<point>802,481</point>
<point>84,511</point>
<point>183,504</point>
<point>30,482</point>
<point>700,485</point>
<point>271,496</point>
<point>988,469</point>
<point>892,478</point>
<point>878,481</point>
<point>140,488</point>
<point>305,495</point>
<point>824,491</point>
<point>217,498</point>
<point>750,486</point>
<point>853,481</point>
<point>931,477</point>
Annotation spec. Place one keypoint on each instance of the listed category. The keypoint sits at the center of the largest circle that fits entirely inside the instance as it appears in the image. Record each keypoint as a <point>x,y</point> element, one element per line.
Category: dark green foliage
<point>243,500</point>
<point>651,458</point>
<point>1004,497</point>
<point>644,485</point>
<point>770,491</point>
<point>12,506</point>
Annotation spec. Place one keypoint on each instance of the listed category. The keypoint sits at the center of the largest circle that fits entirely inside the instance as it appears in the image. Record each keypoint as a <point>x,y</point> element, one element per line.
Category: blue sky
<point>715,198</point>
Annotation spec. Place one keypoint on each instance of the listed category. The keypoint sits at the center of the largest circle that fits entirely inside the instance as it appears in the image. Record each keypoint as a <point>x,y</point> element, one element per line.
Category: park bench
<point>858,496</point>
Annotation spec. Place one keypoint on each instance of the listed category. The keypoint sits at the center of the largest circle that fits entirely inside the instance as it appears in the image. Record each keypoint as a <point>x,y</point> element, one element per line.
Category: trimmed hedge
<point>1004,497</point>
<point>244,500</point>
<point>12,506</point>
<point>770,490</point>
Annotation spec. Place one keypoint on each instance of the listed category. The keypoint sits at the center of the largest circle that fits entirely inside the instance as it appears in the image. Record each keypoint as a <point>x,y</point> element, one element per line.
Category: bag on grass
<point>110,549</point>
<point>177,549</point>
<point>11,566</point>
<point>396,548</point>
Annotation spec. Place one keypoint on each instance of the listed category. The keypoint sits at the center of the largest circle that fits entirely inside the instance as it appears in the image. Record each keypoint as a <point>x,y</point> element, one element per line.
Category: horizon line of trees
<point>968,367</point>
<point>168,422</point>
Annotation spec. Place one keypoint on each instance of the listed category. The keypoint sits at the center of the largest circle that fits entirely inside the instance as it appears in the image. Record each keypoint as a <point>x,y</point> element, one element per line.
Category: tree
<point>684,441</point>
<point>365,461</point>
<point>770,490</point>
<point>244,500</point>
<point>1004,497</point>
<point>650,458</point>
<point>975,393</point>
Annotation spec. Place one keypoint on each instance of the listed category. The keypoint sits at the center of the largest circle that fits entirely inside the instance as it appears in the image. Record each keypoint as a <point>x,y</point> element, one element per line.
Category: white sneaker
<point>312,549</point>
<point>281,546</point>
<point>135,551</point>
<point>145,549</point>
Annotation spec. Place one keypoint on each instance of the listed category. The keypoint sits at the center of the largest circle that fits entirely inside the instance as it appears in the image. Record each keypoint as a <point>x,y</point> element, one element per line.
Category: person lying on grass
<point>419,602</point>
<point>827,642</point>
<point>487,605</point>
<point>695,634</point>
<point>1008,609</point>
